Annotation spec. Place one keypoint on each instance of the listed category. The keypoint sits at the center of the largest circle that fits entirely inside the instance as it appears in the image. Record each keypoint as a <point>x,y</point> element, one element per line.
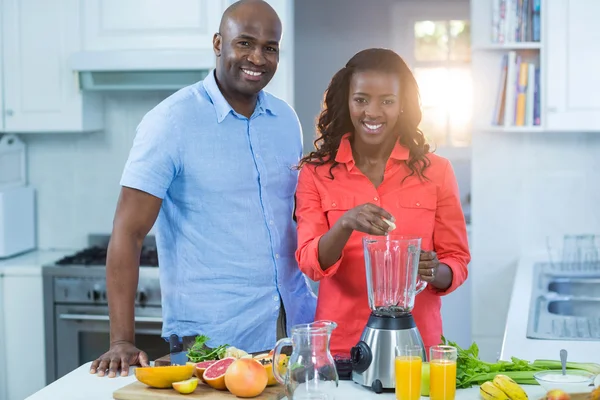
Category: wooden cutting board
<point>139,391</point>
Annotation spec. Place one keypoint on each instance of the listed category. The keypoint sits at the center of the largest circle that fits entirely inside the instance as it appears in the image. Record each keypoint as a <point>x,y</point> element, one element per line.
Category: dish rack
<point>577,253</point>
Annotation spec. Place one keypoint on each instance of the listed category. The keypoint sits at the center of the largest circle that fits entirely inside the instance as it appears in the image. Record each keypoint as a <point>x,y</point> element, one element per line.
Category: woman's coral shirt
<point>430,209</point>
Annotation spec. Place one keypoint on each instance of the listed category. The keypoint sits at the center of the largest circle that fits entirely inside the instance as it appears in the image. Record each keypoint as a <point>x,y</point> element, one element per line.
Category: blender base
<point>373,357</point>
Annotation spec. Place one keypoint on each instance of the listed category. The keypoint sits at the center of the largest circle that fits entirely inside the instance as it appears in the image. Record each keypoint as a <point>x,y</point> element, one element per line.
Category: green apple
<point>425,379</point>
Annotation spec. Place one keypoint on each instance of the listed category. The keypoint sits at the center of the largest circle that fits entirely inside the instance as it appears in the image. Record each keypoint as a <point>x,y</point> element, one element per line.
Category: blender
<point>391,266</point>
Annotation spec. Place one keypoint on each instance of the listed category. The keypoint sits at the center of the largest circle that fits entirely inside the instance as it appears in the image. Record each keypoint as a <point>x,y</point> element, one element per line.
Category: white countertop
<point>30,263</point>
<point>81,385</point>
<point>516,342</point>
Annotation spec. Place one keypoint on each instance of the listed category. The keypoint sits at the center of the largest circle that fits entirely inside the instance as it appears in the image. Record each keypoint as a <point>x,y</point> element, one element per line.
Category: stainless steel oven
<point>82,334</point>
<point>76,310</point>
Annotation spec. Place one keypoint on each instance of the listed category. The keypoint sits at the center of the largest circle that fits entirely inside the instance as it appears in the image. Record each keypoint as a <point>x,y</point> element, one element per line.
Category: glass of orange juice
<point>408,372</point>
<point>442,375</point>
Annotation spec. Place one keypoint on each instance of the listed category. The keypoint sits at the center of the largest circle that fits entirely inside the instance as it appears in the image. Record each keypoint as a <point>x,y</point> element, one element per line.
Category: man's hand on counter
<point>120,356</point>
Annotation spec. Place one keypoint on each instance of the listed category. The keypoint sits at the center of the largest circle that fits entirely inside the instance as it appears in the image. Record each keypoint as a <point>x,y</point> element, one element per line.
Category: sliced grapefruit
<point>201,367</point>
<point>163,377</point>
<point>214,375</point>
<point>187,386</point>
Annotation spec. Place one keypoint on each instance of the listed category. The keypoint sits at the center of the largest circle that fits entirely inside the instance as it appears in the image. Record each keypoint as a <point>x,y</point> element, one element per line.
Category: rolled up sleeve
<point>312,225</point>
<point>450,232</point>
<point>154,159</point>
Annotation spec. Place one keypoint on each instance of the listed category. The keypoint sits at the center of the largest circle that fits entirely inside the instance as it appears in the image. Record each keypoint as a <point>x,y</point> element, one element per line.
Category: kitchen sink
<point>575,287</point>
<point>575,308</point>
<point>565,302</point>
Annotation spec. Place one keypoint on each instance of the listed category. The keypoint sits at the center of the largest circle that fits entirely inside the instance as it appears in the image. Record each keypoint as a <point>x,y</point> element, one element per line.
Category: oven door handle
<point>85,317</point>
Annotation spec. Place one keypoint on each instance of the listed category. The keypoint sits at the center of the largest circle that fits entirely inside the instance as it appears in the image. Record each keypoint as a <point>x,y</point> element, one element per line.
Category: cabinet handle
<point>9,113</point>
<point>86,317</point>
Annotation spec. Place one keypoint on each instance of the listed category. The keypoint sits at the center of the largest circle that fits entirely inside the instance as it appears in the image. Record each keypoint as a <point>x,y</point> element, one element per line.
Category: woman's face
<point>374,105</point>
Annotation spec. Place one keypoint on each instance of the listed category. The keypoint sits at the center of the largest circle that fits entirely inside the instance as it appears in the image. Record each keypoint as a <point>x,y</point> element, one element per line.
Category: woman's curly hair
<point>334,120</point>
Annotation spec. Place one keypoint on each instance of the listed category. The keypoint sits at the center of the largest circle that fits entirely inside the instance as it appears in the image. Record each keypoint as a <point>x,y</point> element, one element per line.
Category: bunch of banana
<point>502,388</point>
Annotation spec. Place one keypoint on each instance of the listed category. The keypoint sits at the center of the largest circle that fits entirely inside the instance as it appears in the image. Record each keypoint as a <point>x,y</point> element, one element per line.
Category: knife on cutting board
<point>177,355</point>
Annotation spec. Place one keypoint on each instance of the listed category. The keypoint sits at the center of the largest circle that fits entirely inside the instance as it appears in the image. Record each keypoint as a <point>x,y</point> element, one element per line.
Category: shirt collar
<point>223,108</point>
<point>344,153</point>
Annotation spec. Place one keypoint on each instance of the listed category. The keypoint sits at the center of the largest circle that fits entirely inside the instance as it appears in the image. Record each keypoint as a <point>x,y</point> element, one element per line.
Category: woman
<point>372,164</point>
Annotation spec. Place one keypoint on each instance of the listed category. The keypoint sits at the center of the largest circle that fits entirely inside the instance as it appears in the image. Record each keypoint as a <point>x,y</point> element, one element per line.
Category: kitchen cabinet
<point>22,349</point>
<point>41,94</point>
<point>149,24</point>
<point>572,63</point>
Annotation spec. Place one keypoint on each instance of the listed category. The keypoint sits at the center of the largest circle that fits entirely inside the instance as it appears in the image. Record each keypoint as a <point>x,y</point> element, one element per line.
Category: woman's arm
<point>320,249</point>
<point>312,226</point>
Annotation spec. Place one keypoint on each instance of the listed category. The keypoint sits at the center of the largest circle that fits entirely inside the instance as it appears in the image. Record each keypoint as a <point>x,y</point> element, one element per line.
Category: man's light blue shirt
<point>225,234</point>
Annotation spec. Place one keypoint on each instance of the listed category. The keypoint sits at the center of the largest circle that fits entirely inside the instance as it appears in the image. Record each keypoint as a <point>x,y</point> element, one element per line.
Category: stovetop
<point>95,254</point>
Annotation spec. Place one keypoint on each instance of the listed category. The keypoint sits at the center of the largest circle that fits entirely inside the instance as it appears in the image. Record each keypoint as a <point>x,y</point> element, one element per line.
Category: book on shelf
<point>515,21</point>
<point>518,96</point>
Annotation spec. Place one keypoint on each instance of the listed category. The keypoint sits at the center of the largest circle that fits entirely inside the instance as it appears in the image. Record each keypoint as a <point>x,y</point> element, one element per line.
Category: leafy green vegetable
<point>470,370</point>
<point>199,352</point>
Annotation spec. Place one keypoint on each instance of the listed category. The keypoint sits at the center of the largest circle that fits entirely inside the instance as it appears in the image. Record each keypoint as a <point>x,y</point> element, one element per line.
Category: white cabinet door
<point>1,122</point>
<point>149,24</point>
<point>41,93</point>
<point>23,342</point>
<point>572,61</point>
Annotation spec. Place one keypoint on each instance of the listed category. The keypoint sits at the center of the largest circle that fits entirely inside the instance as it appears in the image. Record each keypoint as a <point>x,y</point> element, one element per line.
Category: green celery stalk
<point>521,377</point>
<point>554,364</point>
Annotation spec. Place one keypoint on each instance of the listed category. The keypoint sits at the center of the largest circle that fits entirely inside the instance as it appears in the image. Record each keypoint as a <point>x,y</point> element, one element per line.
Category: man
<point>212,165</point>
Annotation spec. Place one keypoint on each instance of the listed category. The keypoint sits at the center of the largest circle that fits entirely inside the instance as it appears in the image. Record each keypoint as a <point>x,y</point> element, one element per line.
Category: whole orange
<point>246,377</point>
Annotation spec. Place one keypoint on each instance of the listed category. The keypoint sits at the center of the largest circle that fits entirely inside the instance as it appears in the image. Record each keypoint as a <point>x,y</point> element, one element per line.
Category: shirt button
<point>258,156</point>
<point>276,255</point>
<point>375,198</point>
<point>276,298</point>
<point>418,204</point>
<point>333,205</point>
<point>271,222</point>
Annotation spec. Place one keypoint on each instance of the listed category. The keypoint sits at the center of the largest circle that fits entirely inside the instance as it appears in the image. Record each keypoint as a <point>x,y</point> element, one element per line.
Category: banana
<point>510,387</point>
<point>489,391</point>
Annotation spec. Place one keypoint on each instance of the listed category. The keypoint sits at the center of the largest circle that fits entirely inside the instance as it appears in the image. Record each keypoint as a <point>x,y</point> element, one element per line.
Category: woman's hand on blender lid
<point>390,223</point>
<point>367,218</point>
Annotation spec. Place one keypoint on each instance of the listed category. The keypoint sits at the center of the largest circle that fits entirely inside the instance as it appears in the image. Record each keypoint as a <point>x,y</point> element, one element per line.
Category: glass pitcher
<point>311,372</point>
<point>392,268</point>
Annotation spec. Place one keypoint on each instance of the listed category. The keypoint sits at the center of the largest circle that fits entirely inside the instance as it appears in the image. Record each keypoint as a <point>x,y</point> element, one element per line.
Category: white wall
<point>327,34</point>
<point>525,187</point>
<point>77,175</point>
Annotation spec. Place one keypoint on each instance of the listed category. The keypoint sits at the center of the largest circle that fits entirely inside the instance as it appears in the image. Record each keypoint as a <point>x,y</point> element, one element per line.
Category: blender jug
<point>392,265</point>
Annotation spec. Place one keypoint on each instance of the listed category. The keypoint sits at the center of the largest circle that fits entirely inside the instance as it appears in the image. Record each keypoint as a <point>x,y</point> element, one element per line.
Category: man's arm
<point>136,213</point>
<point>135,216</point>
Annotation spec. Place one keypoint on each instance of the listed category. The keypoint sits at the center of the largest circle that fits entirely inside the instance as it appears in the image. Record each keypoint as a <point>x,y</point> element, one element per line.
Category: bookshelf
<point>509,46</point>
<point>507,55</point>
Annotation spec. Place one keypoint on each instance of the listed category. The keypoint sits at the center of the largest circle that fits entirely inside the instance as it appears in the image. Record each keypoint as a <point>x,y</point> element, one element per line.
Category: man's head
<point>247,47</point>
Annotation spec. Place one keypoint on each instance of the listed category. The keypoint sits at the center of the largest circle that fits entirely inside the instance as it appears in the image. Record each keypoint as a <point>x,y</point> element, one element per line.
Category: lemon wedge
<point>187,386</point>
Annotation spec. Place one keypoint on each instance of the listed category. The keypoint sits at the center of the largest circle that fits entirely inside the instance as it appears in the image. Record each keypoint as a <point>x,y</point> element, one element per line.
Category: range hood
<point>141,69</point>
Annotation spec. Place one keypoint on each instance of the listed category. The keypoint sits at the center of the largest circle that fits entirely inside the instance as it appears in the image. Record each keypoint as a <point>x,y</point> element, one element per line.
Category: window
<point>441,65</point>
<point>434,38</point>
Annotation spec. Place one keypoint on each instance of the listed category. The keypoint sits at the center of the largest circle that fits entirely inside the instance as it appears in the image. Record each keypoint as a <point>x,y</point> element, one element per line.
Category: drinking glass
<point>442,378</point>
<point>408,372</point>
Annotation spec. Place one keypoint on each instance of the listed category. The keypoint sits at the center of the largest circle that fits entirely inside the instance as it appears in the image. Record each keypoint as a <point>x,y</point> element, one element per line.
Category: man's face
<point>248,51</point>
